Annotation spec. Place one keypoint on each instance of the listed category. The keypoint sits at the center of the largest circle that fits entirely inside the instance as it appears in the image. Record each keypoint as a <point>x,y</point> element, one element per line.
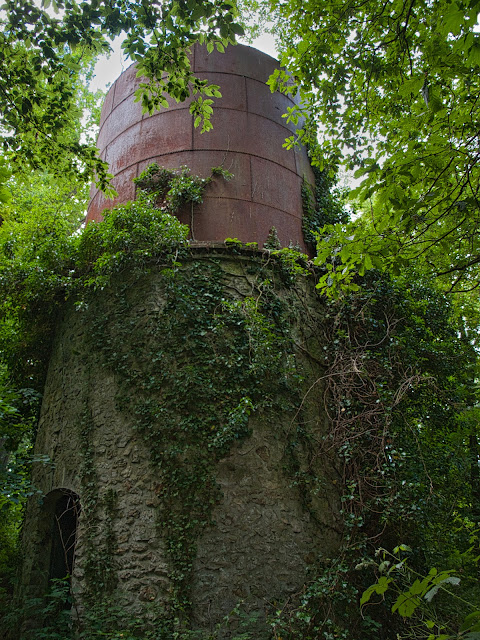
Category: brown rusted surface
<point>247,139</point>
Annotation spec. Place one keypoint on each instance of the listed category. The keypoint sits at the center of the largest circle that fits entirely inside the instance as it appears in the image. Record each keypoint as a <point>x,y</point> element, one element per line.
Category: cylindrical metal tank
<point>247,139</point>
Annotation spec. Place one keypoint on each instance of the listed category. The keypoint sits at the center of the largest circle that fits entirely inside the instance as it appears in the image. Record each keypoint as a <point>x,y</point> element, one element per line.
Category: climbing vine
<point>397,379</point>
<point>176,190</point>
<point>190,376</point>
<point>323,203</point>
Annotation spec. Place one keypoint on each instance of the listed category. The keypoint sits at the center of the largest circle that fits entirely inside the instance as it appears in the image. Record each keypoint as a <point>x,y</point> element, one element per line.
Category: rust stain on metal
<point>247,140</point>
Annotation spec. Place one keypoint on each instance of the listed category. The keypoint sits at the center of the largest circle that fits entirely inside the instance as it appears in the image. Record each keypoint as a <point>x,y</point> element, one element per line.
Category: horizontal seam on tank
<point>236,75</point>
<point>170,153</point>
<point>184,109</point>
<point>242,153</point>
<point>299,217</point>
<point>262,204</point>
<point>241,75</point>
<point>250,155</point>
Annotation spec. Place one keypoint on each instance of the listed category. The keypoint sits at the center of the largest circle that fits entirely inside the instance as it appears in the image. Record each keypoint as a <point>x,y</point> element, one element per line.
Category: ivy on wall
<point>189,376</point>
<point>212,356</point>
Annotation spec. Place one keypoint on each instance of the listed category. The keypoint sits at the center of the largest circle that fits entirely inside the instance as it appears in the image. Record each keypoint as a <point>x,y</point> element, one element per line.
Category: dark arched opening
<point>65,512</point>
<point>52,561</point>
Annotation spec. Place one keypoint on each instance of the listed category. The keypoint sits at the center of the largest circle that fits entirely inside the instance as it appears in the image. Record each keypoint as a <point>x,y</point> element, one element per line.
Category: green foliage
<point>109,621</point>
<point>36,251</point>
<point>194,373</point>
<point>207,362</point>
<point>391,88</point>
<point>43,100</point>
<point>321,206</point>
<point>292,262</point>
<point>43,50</point>
<point>392,92</point>
<point>395,90</point>
<point>38,217</point>
<point>272,242</point>
<point>43,261</point>
<point>326,608</point>
<point>415,600</point>
<point>404,378</point>
<point>397,378</point>
<point>130,235</point>
<point>397,382</point>
<point>171,189</point>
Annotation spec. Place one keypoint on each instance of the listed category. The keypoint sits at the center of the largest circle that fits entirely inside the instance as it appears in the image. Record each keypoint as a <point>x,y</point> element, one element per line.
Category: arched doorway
<point>64,511</point>
<point>51,563</point>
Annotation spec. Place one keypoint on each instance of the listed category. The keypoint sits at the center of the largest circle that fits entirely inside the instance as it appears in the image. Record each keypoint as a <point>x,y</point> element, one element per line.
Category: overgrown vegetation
<point>323,205</point>
<point>43,263</point>
<point>400,382</point>
<point>401,375</point>
<point>237,359</point>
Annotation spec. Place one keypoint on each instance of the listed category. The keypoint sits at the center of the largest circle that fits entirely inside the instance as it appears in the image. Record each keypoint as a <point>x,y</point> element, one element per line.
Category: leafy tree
<point>42,103</point>
<point>35,244</point>
<point>394,89</point>
<point>41,54</point>
<point>37,222</point>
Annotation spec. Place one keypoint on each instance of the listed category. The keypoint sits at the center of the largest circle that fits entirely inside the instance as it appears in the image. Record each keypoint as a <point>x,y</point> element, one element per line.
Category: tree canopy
<point>393,91</point>
<point>43,50</point>
<point>390,91</point>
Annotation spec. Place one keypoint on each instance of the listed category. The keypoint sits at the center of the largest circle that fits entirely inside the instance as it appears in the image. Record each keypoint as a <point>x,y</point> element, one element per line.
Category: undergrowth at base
<point>400,396</point>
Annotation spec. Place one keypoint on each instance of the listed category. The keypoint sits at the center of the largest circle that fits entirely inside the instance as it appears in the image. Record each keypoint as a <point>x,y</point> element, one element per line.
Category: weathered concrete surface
<point>264,535</point>
<point>247,139</point>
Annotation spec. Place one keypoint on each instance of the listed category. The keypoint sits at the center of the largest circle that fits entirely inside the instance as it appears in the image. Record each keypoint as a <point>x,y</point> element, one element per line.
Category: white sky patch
<point>108,68</point>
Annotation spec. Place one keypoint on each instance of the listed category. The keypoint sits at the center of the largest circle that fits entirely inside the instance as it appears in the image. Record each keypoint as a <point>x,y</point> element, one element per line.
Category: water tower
<point>249,130</point>
<point>180,406</point>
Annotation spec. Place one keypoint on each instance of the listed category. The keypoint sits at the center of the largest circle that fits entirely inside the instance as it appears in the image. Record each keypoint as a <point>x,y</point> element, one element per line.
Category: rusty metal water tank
<point>247,139</point>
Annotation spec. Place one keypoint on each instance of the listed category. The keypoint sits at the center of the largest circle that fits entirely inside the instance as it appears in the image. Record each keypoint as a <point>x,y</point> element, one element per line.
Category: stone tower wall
<point>267,525</point>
